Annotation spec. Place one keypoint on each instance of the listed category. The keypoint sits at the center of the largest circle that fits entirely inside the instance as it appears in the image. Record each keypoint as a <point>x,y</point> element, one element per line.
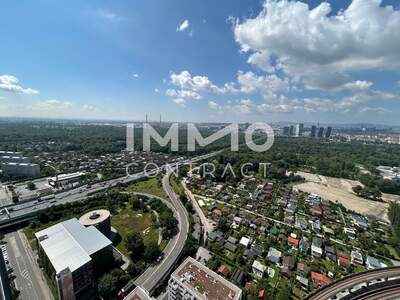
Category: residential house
<point>238,277</point>
<point>230,247</point>
<point>319,280</point>
<point>316,247</point>
<point>304,245</point>
<point>303,270</point>
<point>293,242</point>
<point>373,263</point>
<point>350,232</point>
<point>288,262</point>
<point>223,270</point>
<point>356,257</point>
<point>244,241</point>
<point>330,253</point>
<point>343,260</point>
<point>274,255</point>
<point>258,269</point>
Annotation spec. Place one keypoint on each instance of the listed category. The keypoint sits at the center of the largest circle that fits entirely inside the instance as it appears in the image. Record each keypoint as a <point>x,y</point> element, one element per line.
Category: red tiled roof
<point>319,279</point>
<point>293,241</point>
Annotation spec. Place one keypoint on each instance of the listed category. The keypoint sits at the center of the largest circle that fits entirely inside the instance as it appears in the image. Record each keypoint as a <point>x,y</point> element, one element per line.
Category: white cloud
<point>183,26</point>
<point>180,102</point>
<point>186,94</point>
<point>213,105</point>
<point>358,85</point>
<point>135,75</point>
<point>267,85</point>
<point>156,90</point>
<point>185,80</point>
<point>379,110</point>
<point>9,83</point>
<point>318,48</point>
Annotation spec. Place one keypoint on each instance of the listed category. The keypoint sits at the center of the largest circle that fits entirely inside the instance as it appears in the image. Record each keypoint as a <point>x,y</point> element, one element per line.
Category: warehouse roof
<point>70,244</point>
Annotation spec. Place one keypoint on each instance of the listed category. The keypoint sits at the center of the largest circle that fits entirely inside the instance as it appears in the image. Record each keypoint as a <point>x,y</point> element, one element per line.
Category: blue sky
<point>207,60</point>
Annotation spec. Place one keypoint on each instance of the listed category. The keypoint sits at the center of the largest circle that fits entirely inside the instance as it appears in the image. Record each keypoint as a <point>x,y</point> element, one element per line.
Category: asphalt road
<point>29,280</point>
<point>155,274</point>
<point>20,210</point>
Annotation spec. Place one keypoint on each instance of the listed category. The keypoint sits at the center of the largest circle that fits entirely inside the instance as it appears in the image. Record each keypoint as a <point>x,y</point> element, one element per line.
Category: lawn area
<point>128,221</point>
<point>151,186</point>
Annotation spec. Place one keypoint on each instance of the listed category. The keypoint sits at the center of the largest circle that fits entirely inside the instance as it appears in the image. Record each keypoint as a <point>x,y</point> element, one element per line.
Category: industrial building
<point>101,219</point>
<point>74,256</point>
<point>192,280</point>
<point>66,181</point>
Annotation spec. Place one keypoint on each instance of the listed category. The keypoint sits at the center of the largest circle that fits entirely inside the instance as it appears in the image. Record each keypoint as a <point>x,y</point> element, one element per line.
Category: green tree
<point>31,186</point>
<point>152,251</point>
<point>134,244</point>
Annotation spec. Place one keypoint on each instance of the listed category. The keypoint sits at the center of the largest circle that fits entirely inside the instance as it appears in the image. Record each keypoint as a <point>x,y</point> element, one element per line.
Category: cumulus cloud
<point>183,26</point>
<point>358,85</point>
<point>185,80</point>
<point>186,94</point>
<point>318,48</point>
<point>180,102</point>
<point>9,83</point>
<point>268,86</point>
<point>213,105</point>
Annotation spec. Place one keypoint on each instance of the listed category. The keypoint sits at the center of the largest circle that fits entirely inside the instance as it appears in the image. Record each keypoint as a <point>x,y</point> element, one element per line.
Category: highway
<point>353,280</point>
<point>30,209</point>
<point>155,274</point>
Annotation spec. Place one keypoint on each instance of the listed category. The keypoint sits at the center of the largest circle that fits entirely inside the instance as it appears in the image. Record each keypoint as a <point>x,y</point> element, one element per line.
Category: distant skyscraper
<point>321,132</point>
<point>313,131</point>
<point>299,129</point>
<point>328,132</point>
<point>286,130</point>
<point>291,133</point>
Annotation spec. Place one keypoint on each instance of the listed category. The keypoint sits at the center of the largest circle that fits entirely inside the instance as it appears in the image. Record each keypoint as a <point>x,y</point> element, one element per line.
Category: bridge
<point>379,284</point>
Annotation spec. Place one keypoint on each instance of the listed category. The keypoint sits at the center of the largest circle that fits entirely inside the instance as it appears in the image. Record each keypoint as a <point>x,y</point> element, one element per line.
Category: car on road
<point>129,287</point>
<point>160,258</point>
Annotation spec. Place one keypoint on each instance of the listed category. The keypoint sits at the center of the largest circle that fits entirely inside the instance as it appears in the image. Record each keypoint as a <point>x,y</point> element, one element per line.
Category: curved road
<point>155,274</point>
<point>348,282</point>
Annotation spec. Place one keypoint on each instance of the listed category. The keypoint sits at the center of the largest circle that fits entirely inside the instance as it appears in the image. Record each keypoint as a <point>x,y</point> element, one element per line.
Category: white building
<point>72,254</point>
<point>194,281</point>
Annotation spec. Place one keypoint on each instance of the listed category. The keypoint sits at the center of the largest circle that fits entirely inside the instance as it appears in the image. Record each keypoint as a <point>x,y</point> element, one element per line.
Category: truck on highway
<point>46,198</point>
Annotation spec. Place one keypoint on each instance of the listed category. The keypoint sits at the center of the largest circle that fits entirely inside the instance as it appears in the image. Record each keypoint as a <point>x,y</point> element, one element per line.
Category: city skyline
<point>232,63</point>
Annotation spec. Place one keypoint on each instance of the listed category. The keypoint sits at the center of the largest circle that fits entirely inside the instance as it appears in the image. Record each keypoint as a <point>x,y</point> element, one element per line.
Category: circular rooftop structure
<point>99,218</point>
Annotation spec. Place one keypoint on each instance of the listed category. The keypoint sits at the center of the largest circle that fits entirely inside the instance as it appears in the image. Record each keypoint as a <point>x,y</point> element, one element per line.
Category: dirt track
<point>340,190</point>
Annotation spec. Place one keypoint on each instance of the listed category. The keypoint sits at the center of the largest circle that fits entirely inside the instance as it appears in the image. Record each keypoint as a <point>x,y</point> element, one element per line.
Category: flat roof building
<point>138,294</point>
<point>20,169</point>
<point>65,181</point>
<point>192,280</point>
<point>73,255</point>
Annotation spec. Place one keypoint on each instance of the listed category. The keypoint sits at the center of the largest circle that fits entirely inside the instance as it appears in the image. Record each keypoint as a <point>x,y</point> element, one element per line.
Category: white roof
<point>259,266</point>
<point>244,241</point>
<point>70,244</point>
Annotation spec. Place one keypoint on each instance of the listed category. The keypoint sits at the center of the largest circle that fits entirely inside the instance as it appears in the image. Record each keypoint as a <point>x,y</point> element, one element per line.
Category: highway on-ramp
<point>155,274</point>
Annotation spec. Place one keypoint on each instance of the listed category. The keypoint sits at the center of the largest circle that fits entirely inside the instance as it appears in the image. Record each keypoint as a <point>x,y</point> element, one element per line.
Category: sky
<point>202,61</point>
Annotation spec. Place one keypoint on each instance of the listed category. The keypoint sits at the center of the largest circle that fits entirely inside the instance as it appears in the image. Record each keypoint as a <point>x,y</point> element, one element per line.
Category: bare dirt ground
<point>340,190</point>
